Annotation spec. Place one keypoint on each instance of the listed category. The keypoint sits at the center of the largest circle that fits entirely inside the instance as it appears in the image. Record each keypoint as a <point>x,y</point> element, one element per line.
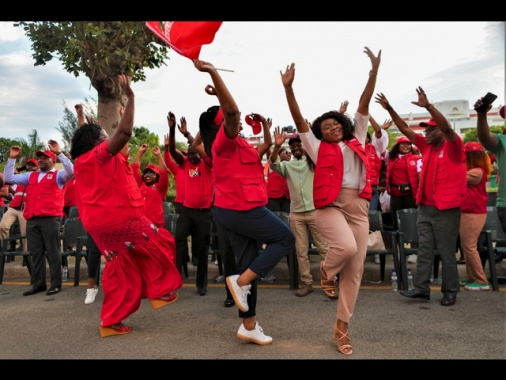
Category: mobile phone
<point>487,100</point>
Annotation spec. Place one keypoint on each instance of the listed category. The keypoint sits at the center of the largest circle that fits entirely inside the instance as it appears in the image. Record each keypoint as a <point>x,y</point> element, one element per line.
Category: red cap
<point>293,138</point>
<point>403,139</point>
<point>218,119</point>
<point>46,153</point>
<point>32,161</point>
<point>255,124</point>
<point>153,168</point>
<point>472,146</point>
<point>430,123</point>
<point>502,112</point>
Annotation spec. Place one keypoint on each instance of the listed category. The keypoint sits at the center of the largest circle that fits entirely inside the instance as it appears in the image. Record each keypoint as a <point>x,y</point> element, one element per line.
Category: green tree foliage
<point>68,125</point>
<point>472,134</point>
<point>100,50</point>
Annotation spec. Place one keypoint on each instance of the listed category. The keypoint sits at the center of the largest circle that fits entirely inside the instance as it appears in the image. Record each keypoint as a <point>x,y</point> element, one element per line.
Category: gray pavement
<point>385,325</point>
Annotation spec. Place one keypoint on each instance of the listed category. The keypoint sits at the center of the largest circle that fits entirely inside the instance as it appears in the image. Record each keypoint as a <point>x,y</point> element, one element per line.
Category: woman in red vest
<point>341,192</point>
<point>140,257</point>
<point>474,214</point>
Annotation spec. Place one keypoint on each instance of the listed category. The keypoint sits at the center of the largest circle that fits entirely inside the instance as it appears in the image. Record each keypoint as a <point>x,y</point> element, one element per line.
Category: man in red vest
<point>442,189</point>
<point>43,211</point>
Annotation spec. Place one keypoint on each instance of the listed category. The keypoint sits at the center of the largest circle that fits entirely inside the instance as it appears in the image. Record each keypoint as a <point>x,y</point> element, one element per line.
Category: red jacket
<point>329,170</point>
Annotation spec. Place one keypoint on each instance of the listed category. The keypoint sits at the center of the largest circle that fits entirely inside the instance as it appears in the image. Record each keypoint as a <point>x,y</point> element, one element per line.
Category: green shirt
<point>500,153</point>
<point>299,179</point>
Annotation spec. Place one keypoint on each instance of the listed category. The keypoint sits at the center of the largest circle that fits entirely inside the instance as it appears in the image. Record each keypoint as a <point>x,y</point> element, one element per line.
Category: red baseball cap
<point>46,153</point>
<point>472,146</point>
<point>293,138</point>
<point>255,124</point>
<point>32,161</point>
<point>153,168</point>
<point>430,123</point>
<point>403,139</point>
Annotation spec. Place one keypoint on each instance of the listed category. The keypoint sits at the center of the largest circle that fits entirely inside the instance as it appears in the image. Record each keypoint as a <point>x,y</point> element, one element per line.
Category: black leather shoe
<point>52,291</point>
<point>449,299</point>
<point>229,302</point>
<point>415,293</point>
<point>202,291</point>
<point>35,290</point>
<point>195,261</point>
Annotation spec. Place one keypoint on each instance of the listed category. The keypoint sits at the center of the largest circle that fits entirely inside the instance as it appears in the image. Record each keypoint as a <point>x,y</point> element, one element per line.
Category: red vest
<point>476,198</point>
<point>328,175</point>
<point>43,198</point>
<point>238,174</point>
<point>277,186</point>
<point>19,197</point>
<point>450,180</point>
<point>374,164</point>
<point>411,166</point>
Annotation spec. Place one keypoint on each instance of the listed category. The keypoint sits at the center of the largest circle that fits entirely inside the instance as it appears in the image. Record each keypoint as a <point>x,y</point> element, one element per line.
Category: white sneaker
<point>412,259</point>
<point>90,295</point>
<point>240,293</point>
<point>377,259</point>
<point>255,336</point>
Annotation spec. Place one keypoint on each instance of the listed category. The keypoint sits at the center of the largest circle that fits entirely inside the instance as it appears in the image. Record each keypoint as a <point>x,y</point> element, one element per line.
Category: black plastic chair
<point>407,232</point>
<point>293,266</point>
<point>73,241</point>
<point>390,240</point>
<point>492,234</point>
<point>170,225</point>
<point>8,250</point>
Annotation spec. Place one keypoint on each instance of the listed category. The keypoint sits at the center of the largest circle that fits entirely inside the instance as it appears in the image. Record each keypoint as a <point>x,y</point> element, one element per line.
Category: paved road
<point>385,324</point>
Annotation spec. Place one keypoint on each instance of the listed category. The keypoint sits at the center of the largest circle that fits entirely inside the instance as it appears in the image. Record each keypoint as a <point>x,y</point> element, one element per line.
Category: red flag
<point>185,37</point>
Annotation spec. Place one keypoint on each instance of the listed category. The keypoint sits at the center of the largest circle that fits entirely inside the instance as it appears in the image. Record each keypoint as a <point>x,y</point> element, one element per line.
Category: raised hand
<point>422,98</point>
<point>382,100</point>
<point>171,119</point>
<point>288,76</point>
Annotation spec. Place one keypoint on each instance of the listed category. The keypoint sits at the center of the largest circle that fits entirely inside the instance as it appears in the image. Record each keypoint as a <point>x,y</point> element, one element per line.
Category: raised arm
<point>176,154</point>
<point>365,98</point>
<point>122,134</point>
<point>441,121</point>
<point>401,124</point>
<point>487,138</point>
<point>140,153</point>
<point>227,103</point>
<point>266,125</point>
<point>287,79</point>
<point>279,139</point>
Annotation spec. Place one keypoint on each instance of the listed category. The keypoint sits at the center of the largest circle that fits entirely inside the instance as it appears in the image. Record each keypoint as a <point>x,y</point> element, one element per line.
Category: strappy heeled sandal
<point>117,329</point>
<point>164,301</point>
<point>328,287</point>
<point>345,349</point>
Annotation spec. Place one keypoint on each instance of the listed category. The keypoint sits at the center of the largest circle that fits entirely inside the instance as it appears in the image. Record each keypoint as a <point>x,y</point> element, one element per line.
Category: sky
<point>449,60</point>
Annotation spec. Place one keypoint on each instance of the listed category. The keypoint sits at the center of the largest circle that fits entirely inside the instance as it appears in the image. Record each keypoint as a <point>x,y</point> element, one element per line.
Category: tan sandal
<point>328,287</point>
<point>345,349</point>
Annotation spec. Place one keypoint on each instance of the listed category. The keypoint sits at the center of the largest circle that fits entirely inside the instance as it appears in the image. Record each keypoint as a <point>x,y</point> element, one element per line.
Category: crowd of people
<point>327,178</point>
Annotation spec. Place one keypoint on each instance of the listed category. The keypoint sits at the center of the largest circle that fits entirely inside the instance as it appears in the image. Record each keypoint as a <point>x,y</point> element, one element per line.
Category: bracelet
<point>372,73</point>
<point>431,106</point>
<point>186,134</point>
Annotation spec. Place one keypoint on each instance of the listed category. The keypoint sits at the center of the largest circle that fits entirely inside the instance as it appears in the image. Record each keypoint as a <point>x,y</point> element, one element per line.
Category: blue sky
<point>450,60</point>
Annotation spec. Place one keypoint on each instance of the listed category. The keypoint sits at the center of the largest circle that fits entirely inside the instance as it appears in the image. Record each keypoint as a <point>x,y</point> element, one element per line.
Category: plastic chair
<point>14,238</point>
<point>73,240</point>
<point>491,234</point>
<point>376,224</point>
<point>293,266</point>
<point>170,225</point>
<point>407,232</point>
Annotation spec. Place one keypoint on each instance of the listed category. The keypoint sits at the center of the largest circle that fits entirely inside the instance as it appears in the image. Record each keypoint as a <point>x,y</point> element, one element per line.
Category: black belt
<point>200,209</point>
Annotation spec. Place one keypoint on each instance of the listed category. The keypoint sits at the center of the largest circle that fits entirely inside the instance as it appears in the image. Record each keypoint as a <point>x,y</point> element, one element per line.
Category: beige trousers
<point>345,226</point>
<point>299,223</point>
<point>469,231</point>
